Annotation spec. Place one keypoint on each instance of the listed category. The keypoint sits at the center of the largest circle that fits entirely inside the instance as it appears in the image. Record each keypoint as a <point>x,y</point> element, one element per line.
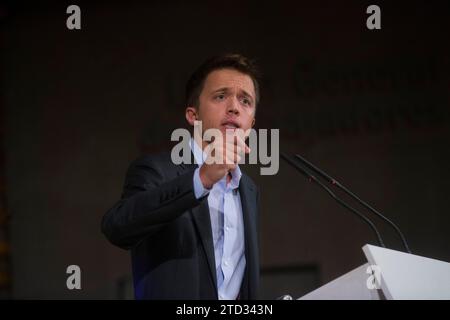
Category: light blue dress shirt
<point>227,227</point>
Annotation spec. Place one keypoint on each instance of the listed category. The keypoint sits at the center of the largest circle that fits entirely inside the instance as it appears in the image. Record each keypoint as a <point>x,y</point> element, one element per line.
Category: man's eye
<point>246,101</point>
<point>220,97</point>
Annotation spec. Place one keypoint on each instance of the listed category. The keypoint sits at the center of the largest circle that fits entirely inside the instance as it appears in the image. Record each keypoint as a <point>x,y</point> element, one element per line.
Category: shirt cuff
<point>199,190</point>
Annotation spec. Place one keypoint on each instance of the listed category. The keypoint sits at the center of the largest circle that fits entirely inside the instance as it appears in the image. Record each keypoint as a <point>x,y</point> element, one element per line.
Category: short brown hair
<point>238,62</point>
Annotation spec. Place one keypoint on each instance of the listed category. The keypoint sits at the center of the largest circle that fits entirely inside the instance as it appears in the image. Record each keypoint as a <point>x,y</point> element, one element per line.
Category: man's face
<point>227,101</point>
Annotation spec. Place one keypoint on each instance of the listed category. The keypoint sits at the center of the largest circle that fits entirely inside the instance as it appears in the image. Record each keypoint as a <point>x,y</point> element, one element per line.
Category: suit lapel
<point>202,220</point>
<point>247,194</point>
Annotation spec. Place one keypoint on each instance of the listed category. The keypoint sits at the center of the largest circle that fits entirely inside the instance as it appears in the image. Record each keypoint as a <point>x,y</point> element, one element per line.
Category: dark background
<point>369,107</point>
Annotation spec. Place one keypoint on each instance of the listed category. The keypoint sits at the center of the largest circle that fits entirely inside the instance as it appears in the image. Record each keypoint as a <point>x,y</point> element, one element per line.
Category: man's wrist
<point>203,178</point>
<point>199,189</point>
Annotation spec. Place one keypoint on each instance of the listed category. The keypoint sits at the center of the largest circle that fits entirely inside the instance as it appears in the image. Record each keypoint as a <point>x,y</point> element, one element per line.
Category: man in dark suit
<point>193,228</point>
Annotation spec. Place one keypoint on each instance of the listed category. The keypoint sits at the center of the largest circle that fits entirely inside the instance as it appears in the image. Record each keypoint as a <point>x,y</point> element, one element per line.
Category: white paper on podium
<point>403,276</point>
<point>407,276</point>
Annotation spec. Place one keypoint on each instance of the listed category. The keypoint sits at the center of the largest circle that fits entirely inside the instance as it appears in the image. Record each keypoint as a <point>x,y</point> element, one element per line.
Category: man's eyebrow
<point>225,89</point>
<point>247,94</point>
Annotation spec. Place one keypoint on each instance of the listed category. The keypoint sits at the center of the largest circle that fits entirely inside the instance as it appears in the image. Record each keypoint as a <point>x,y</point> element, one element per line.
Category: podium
<point>391,275</point>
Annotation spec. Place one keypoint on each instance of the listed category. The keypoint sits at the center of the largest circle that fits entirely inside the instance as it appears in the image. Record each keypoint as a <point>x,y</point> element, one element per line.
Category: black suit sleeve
<point>148,202</point>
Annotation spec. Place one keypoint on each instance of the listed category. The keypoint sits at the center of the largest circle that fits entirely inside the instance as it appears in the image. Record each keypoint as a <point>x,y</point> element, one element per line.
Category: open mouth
<point>229,124</point>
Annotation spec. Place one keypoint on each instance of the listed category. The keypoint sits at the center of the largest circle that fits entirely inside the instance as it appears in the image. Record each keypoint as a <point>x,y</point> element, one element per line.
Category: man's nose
<point>233,106</point>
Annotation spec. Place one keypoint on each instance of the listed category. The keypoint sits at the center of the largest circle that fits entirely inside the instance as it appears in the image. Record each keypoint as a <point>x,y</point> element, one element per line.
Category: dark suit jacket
<point>169,232</point>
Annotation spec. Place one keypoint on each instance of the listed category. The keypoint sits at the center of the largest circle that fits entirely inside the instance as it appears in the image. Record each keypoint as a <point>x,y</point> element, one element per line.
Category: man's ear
<point>191,115</point>
<point>253,122</point>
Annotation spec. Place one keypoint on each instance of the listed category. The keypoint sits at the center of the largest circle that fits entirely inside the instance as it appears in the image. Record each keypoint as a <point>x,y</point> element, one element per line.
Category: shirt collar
<point>200,156</point>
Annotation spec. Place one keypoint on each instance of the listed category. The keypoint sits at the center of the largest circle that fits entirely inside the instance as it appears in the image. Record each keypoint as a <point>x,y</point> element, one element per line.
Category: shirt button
<point>226,263</point>
<point>227,228</point>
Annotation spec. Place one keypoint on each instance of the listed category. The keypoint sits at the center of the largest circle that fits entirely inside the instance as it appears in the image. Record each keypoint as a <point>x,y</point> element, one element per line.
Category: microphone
<point>355,197</point>
<point>307,173</point>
